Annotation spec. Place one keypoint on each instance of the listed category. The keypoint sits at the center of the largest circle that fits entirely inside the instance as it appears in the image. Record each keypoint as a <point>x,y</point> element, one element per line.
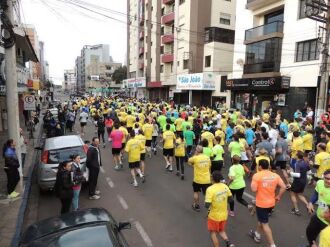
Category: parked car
<point>84,228</point>
<point>56,150</point>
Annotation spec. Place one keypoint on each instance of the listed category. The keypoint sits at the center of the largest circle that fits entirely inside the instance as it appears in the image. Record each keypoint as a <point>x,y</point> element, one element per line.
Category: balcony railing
<point>273,66</point>
<point>167,58</point>
<point>273,27</point>
<point>168,18</point>
<point>167,38</point>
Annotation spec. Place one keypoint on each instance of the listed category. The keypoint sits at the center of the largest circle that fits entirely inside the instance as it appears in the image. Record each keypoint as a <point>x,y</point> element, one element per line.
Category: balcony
<point>168,2</point>
<point>265,67</point>
<point>268,31</point>
<point>167,38</point>
<point>257,4</point>
<point>141,50</point>
<point>168,19</point>
<point>141,35</point>
<point>167,58</point>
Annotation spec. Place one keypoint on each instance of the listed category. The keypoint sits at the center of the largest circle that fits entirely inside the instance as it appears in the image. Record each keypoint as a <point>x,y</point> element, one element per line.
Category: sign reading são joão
<point>198,81</point>
<point>135,82</point>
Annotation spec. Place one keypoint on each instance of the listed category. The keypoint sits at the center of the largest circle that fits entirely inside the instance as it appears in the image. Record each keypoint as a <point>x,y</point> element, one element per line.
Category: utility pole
<point>8,38</point>
<point>319,10</point>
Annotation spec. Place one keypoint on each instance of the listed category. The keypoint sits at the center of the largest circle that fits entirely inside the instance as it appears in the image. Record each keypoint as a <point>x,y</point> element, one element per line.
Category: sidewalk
<point>12,210</point>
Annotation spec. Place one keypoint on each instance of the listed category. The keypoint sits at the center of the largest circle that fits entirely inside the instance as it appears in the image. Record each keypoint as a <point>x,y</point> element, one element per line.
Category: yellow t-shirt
<point>222,135</point>
<point>325,237</point>
<point>308,141</point>
<point>208,136</point>
<point>297,145</point>
<point>130,120</point>
<point>217,195</point>
<point>179,150</point>
<point>328,147</point>
<point>141,118</point>
<point>134,149</point>
<point>201,164</point>
<point>265,117</point>
<point>169,138</point>
<point>125,132</point>
<point>178,124</point>
<point>223,123</point>
<point>142,139</point>
<point>147,130</point>
<point>323,160</point>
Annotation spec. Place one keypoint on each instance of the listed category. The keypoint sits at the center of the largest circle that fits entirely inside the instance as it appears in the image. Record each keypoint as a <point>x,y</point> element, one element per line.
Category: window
<point>185,63</point>
<point>178,64</point>
<point>162,68</point>
<point>181,2</point>
<point>302,6</point>
<point>224,18</point>
<point>162,50</point>
<point>162,31</point>
<point>150,60</point>
<point>207,61</point>
<point>216,34</point>
<point>274,16</point>
<point>163,11</point>
<point>307,50</point>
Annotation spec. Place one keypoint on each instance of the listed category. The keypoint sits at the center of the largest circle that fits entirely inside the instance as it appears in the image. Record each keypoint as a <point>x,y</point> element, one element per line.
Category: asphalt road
<point>160,210</point>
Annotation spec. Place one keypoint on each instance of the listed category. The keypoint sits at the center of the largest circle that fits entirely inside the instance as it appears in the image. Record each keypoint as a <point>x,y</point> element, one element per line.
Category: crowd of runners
<point>270,154</point>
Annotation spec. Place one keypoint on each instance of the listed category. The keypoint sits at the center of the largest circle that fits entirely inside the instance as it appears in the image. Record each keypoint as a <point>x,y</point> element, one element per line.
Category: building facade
<point>70,81</point>
<point>276,57</point>
<point>167,43</point>
<point>79,74</point>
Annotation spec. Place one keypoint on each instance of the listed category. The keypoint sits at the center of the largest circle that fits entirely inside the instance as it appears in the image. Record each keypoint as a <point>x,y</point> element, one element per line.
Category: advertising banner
<point>198,81</point>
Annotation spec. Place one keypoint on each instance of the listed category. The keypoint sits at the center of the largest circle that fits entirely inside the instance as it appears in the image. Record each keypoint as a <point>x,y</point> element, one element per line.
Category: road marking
<point>122,202</point>
<point>249,196</point>
<point>143,234</point>
<point>111,184</point>
<point>102,170</point>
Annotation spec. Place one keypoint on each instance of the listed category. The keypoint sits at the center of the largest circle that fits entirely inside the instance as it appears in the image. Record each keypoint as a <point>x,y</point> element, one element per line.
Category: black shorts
<point>216,165</point>
<point>129,129</point>
<point>148,143</point>
<point>133,165</point>
<point>123,146</point>
<point>200,187</point>
<point>308,151</point>
<point>297,187</point>
<point>116,151</point>
<point>143,156</point>
<point>281,164</point>
<point>263,214</point>
<point>82,124</point>
<point>168,152</point>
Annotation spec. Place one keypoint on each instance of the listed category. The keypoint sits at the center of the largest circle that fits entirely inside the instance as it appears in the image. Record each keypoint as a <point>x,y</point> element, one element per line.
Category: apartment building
<point>79,75</point>
<point>69,83</point>
<point>167,46</point>
<point>276,57</point>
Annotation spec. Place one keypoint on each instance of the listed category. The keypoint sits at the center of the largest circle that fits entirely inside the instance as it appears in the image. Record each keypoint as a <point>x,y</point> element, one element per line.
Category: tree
<point>119,74</point>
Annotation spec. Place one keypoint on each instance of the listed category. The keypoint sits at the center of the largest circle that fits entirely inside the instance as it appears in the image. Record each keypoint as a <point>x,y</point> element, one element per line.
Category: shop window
<point>225,18</point>
<point>207,61</point>
<point>307,50</point>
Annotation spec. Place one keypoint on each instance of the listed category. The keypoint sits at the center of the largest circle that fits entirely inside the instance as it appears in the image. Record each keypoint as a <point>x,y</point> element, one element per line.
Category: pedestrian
<point>217,197</point>
<point>134,148</point>
<point>117,137</point>
<point>11,167</point>
<point>22,144</point>
<point>264,184</point>
<point>179,154</point>
<point>202,177</point>
<point>321,195</point>
<point>237,184</point>
<point>83,120</point>
<point>71,116</point>
<point>63,185</point>
<point>101,129</point>
<point>77,179</point>
<point>93,163</point>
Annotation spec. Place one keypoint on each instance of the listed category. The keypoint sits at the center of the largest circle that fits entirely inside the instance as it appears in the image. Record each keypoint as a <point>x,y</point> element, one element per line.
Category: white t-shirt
<point>83,117</point>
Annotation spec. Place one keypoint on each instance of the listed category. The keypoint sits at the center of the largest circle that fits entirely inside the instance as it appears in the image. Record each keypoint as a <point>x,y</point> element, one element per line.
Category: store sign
<point>135,82</point>
<point>95,77</point>
<point>198,81</point>
<point>29,102</point>
<point>255,84</point>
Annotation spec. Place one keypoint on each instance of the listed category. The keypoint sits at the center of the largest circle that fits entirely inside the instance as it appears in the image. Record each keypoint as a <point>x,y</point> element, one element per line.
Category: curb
<point>25,198</point>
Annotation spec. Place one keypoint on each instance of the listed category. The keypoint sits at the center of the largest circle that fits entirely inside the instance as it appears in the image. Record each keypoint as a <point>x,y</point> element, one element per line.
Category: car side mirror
<point>124,225</point>
<point>38,148</point>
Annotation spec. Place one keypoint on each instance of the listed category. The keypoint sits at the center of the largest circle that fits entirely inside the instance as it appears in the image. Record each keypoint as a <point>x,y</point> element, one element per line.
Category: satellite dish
<point>240,62</point>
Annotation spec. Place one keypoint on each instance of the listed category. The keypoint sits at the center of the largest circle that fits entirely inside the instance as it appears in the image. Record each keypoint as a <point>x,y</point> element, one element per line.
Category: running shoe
<point>135,184</point>
<point>167,166</point>
<point>296,212</point>
<point>116,167</point>
<point>94,197</point>
<point>13,195</point>
<point>103,145</point>
<point>177,173</point>
<point>229,244</point>
<point>196,207</point>
<point>143,179</point>
<point>231,213</point>
<point>253,235</point>
<point>97,192</point>
<point>170,169</point>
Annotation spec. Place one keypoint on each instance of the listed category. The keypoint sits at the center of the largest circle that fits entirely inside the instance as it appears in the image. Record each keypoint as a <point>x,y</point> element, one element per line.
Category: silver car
<point>56,150</point>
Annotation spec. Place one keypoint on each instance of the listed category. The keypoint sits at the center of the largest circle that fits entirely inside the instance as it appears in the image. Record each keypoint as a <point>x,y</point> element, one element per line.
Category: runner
<point>148,130</point>
<point>180,155</point>
<point>168,147</point>
<point>142,139</point>
<point>83,116</point>
<point>218,153</point>
<point>117,137</point>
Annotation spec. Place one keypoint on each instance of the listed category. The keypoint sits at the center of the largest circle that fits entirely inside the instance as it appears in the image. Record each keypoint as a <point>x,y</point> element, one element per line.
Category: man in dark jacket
<point>93,163</point>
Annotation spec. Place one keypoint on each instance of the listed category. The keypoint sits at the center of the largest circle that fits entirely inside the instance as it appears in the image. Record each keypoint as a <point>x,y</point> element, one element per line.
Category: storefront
<point>136,87</point>
<point>157,91</point>
<point>258,94</point>
<point>194,89</point>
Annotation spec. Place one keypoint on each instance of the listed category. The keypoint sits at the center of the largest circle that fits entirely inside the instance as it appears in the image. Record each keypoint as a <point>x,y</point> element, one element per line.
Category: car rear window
<point>60,155</point>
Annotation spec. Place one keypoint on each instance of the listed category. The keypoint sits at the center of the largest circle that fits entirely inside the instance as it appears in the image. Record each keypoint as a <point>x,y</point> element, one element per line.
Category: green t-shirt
<point>324,200</point>
<point>185,124</point>
<point>237,173</point>
<point>208,152</point>
<point>162,121</point>
<point>235,148</point>
<point>218,152</point>
<point>189,137</point>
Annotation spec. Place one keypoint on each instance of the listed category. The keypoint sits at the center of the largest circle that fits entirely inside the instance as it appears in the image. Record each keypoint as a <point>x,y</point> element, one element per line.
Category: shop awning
<point>23,42</point>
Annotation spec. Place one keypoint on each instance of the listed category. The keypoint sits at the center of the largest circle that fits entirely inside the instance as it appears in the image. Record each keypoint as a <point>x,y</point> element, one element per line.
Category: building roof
<point>23,42</point>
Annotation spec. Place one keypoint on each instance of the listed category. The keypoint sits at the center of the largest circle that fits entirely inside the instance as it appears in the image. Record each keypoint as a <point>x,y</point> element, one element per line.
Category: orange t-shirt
<point>266,182</point>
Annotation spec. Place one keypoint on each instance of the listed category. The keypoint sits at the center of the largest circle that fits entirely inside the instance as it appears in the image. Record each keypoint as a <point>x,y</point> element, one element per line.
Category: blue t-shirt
<point>175,114</point>
<point>249,135</point>
<point>284,127</point>
<point>229,134</point>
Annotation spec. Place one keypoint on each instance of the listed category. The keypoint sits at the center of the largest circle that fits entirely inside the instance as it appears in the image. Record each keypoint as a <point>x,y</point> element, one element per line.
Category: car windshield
<point>59,155</point>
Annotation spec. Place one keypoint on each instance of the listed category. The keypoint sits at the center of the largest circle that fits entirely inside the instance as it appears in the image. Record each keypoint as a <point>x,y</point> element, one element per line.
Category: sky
<point>66,28</point>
